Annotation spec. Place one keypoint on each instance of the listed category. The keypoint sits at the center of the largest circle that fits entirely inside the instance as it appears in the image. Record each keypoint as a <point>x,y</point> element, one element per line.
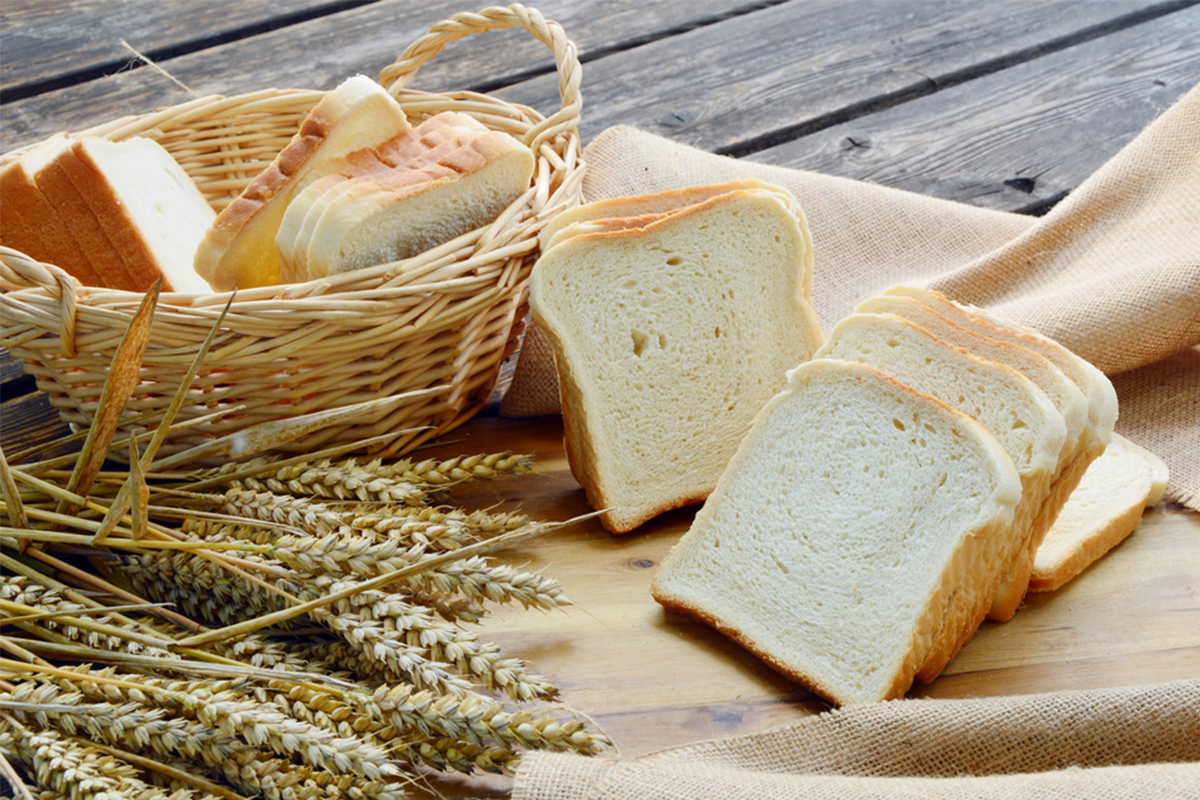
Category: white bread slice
<point>238,252</point>
<point>458,186</point>
<point>150,211</point>
<point>1102,398</point>
<point>1065,395</point>
<point>669,201</point>
<point>639,205</point>
<point>854,516</point>
<point>1102,511</point>
<point>668,340</point>
<point>1102,413</point>
<point>602,226</point>
<point>350,169</point>
<point>30,223</point>
<point>1009,405</point>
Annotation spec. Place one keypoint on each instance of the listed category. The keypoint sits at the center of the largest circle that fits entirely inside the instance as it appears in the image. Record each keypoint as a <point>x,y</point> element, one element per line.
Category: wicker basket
<point>431,331</point>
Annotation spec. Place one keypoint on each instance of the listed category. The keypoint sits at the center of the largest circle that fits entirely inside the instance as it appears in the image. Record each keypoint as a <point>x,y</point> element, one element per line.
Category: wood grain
<point>652,679</point>
<point>361,40</point>
<point>1021,137</point>
<point>41,37</point>
<point>806,65</point>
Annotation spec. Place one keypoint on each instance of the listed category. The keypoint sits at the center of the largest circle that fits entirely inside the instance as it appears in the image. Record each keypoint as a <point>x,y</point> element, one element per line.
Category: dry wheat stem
<point>219,731</point>
<point>351,589</point>
<point>171,772</point>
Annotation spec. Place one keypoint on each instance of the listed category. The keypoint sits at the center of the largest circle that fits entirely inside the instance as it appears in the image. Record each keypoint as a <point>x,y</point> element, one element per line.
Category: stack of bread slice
<point>902,590</point>
<point>674,318</point>
<point>238,251</point>
<point>358,186</point>
<point>447,176</point>
<point>118,215</point>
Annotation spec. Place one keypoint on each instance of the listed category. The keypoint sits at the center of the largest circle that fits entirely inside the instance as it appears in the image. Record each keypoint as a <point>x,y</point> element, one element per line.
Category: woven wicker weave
<point>438,325</point>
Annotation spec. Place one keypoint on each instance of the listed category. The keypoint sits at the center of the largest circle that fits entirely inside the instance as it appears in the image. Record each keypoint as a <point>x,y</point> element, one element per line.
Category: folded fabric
<point>1108,743</point>
<point>1112,271</point>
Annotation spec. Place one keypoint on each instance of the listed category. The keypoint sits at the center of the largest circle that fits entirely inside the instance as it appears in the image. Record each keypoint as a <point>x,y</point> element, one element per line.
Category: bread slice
<point>30,223</point>
<point>854,516</point>
<point>639,205</point>
<point>1010,406</point>
<point>1102,511</point>
<point>1102,414</point>
<point>668,340</point>
<point>669,201</point>
<point>602,226</point>
<point>149,210</point>
<point>1067,399</point>
<point>391,213</point>
<point>106,263</point>
<point>238,251</point>
<point>349,170</point>
<point>1102,398</point>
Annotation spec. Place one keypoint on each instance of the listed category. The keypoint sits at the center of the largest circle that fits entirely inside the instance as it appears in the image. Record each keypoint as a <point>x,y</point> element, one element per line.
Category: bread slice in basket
<point>669,338</point>
<point>238,252</point>
<point>33,224</point>
<point>855,520</point>
<point>148,209</point>
<point>448,176</point>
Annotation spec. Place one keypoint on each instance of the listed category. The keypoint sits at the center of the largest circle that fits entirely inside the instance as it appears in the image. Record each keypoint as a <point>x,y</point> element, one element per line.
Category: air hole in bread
<point>674,261</point>
<point>640,340</point>
<point>899,425</point>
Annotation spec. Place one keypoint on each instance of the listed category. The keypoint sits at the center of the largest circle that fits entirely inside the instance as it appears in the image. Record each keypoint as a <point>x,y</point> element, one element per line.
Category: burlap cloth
<point>1112,271</point>
<point>1129,743</point>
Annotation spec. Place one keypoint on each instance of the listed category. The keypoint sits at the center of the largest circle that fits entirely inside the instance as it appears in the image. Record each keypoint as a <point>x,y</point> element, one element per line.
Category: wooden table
<point>1005,105</point>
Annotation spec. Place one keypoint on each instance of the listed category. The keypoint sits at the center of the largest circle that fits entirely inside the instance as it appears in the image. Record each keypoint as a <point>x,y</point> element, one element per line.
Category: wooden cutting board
<point>653,679</point>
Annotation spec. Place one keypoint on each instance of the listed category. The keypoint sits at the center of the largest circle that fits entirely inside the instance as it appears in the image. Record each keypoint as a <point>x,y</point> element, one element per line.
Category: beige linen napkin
<point>1112,271</point>
<point>1133,742</point>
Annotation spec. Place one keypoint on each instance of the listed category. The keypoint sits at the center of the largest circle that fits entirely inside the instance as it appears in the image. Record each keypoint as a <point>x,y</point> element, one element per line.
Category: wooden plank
<point>28,420</point>
<point>1021,138</point>
<point>767,77</point>
<point>45,44</point>
<point>362,40</point>
<point>13,380</point>
<point>653,679</point>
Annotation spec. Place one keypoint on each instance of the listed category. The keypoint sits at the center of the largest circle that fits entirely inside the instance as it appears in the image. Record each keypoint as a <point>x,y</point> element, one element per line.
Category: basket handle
<point>19,271</point>
<point>566,60</point>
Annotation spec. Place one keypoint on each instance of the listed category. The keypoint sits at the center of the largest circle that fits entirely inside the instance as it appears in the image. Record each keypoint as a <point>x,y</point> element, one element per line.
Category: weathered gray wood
<point>1021,137</point>
<point>362,40</point>
<point>806,65</point>
<point>44,41</point>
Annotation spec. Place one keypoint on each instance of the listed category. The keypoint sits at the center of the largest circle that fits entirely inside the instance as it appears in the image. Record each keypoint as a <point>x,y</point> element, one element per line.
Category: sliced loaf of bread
<point>1102,414</point>
<point>238,251</point>
<point>31,223</point>
<point>854,521</point>
<point>149,210</point>
<point>669,339</point>
<point>56,186</point>
<point>1010,406</point>
<point>445,183</point>
<point>1065,395</point>
<point>1103,510</point>
<point>346,172</point>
